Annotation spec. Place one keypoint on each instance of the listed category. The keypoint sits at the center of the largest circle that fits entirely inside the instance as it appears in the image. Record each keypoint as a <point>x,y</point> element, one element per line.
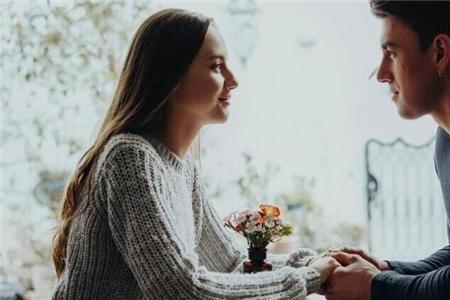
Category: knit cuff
<point>301,258</point>
<point>313,280</point>
<point>277,260</point>
<point>238,267</point>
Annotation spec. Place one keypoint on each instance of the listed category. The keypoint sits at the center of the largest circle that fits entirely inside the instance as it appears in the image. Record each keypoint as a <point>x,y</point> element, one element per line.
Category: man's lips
<point>395,95</point>
<point>394,91</point>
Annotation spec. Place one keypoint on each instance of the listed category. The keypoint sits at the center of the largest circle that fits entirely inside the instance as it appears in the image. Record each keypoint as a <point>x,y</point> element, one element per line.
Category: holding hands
<point>346,272</point>
<point>380,264</point>
<point>325,266</point>
<point>352,279</point>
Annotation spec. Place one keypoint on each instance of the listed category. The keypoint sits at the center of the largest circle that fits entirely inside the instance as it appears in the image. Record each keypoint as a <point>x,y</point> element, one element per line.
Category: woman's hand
<point>301,257</point>
<point>325,266</point>
<point>380,264</point>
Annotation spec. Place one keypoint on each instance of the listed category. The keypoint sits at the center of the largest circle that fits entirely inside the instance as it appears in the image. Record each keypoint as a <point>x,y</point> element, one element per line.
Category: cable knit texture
<point>147,232</point>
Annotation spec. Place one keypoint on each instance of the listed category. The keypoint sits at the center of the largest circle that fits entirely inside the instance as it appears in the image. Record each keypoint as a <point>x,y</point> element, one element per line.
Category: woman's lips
<point>225,100</point>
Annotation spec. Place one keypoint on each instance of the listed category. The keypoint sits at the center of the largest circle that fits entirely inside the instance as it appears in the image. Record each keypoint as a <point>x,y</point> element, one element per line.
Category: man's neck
<point>442,114</point>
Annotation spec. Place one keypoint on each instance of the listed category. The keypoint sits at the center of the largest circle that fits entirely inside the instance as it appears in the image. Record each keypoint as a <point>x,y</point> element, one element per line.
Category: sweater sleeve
<point>229,253</point>
<point>425,279</point>
<point>214,234</point>
<point>435,261</point>
<point>141,230</point>
<point>434,285</point>
<point>215,238</point>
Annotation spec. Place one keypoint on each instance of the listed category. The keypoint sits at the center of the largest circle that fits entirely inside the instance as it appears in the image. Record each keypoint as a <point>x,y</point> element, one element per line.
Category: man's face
<point>407,69</point>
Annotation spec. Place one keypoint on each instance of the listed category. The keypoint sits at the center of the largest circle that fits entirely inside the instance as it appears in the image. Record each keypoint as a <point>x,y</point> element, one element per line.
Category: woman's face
<point>204,94</point>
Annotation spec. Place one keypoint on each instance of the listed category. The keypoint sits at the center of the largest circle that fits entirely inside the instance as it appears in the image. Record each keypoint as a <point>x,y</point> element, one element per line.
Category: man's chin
<point>407,114</point>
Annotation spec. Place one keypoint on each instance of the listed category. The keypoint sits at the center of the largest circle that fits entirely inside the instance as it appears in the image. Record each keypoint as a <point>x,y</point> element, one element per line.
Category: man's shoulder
<point>442,149</point>
<point>441,134</point>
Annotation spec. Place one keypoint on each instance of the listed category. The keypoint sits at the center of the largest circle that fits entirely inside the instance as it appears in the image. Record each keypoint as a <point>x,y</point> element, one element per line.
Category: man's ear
<point>441,44</point>
<point>175,89</point>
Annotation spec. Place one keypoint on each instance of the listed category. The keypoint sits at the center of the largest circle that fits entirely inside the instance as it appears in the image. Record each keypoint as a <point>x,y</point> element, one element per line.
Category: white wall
<point>309,110</point>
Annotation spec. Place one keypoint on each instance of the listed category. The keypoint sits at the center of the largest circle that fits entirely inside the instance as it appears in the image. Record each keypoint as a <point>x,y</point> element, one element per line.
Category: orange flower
<point>269,211</point>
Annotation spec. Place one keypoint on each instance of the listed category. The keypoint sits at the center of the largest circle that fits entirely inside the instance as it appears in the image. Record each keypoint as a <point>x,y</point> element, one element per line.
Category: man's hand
<point>353,280</point>
<point>380,264</point>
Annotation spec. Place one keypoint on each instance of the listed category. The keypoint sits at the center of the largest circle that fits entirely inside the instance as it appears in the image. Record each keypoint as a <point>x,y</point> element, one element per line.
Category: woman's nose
<point>231,81</point>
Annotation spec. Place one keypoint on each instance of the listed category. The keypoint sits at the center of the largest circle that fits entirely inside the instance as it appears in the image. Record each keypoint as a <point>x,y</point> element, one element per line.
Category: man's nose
<point>384,73</point>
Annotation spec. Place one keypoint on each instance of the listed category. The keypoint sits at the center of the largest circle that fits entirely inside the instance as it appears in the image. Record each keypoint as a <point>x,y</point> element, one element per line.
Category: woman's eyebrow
<point>212,57</point>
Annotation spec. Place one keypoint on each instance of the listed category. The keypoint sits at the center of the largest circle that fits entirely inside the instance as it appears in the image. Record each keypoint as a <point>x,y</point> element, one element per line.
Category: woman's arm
<point>154,253</point>
<point>220,250</point>
<point>213,231</point>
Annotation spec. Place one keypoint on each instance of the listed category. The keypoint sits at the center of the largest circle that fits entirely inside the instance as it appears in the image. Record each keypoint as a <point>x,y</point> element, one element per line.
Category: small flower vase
<point>257,262</point>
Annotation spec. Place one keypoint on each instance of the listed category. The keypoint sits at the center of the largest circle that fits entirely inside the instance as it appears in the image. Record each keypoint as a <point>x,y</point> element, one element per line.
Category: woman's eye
<point>217,67</point>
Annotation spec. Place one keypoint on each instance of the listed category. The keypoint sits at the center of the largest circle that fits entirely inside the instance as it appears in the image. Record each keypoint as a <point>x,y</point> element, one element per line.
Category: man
<point>416,65</point>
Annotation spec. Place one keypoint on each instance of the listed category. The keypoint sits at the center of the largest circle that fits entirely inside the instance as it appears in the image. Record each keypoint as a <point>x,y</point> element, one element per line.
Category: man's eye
<point>390,54</point>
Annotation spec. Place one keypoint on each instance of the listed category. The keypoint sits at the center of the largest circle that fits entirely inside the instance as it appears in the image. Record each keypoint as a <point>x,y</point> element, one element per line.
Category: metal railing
<point>405,204</point>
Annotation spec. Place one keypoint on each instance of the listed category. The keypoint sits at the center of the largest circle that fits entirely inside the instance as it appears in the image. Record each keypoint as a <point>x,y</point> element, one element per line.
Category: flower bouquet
<point>260,228</point>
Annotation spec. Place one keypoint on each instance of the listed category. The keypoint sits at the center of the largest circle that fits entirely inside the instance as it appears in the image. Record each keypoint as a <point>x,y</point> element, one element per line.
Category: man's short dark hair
<point>426,18</point>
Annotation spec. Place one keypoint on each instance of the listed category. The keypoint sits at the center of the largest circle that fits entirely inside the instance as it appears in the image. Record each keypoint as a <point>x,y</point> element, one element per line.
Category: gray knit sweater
<point>147,232</point>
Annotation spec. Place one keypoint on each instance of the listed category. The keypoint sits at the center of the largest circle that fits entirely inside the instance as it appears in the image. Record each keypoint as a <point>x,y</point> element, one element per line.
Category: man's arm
<point>427,279</point>
<point>435,261</point>
<point>434,285</point>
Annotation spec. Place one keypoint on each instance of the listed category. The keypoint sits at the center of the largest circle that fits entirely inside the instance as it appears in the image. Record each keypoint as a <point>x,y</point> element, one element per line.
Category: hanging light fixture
<point>245,34</point>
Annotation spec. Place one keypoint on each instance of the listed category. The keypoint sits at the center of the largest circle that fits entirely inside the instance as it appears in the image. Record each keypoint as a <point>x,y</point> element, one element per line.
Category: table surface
<point>315,297</point>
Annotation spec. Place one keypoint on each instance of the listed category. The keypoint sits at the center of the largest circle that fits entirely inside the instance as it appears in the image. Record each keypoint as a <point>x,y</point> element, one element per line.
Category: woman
<point>135,222</point>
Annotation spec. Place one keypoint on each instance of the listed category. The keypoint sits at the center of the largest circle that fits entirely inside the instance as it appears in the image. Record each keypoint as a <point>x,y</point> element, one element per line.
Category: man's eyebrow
<point>387,45</point>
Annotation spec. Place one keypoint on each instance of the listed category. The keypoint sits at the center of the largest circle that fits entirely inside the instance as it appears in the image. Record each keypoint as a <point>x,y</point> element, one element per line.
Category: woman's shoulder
<point>128,142</point>
<point>127,148</point>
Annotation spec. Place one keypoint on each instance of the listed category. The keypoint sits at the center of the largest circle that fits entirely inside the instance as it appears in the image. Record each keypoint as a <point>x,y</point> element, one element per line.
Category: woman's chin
<point>220,118</point>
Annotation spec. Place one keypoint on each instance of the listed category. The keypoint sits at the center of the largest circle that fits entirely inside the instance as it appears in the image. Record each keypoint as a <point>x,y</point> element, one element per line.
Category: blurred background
<point>309,131</point>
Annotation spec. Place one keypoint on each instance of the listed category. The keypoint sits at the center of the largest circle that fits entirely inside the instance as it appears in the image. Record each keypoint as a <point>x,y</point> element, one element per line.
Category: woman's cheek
<point>218,82</point>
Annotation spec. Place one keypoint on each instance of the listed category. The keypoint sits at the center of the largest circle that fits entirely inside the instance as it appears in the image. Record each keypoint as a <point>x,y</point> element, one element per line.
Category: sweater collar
<point>170,157</point>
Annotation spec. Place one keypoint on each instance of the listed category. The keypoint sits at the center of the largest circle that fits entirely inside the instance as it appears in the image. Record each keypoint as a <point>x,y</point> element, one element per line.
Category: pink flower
<point>258,227</point>
<point>242,217</point>
<point>256,218</point>
<point>230,217</point>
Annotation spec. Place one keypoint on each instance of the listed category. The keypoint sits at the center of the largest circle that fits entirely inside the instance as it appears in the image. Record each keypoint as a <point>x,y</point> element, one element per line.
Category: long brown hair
<point>161,51</point>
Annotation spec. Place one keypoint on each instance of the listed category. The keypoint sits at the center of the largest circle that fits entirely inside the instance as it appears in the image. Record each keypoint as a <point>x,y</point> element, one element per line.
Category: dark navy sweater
<point>428,279</point>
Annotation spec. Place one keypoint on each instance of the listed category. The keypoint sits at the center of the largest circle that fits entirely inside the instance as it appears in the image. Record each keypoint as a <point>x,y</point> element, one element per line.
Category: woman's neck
<point>178,136</point>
